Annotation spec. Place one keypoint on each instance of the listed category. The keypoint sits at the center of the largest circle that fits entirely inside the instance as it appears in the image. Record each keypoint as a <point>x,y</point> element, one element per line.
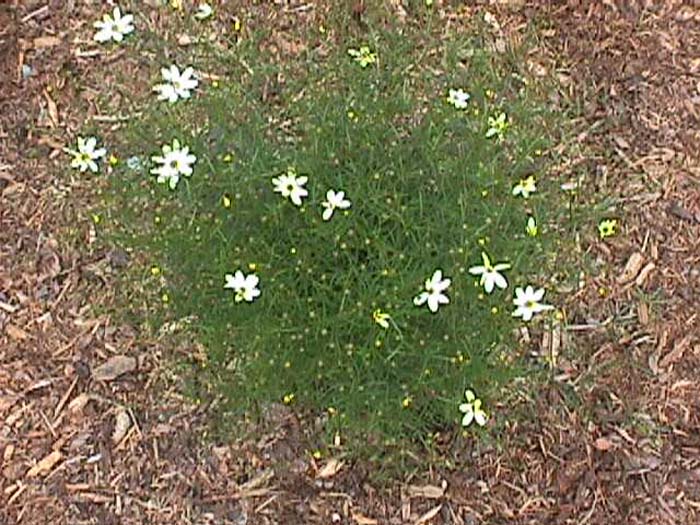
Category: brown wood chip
<point>330,469</point>
<point>631,270</point>
<point>426,491</point>
<point>45,465</point>
<point>429,515</point>
<point>46,41</point>
<point>114,367</point>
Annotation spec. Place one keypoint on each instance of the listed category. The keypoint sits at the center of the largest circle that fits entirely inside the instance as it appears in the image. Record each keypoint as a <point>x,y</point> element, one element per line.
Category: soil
<point>93,430</point>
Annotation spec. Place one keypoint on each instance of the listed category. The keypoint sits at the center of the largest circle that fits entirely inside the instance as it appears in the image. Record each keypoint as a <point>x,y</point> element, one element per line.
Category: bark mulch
<point>93,431</point>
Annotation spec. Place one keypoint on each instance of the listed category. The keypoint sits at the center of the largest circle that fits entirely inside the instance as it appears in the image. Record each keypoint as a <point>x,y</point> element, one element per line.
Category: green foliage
<point>428,191</point>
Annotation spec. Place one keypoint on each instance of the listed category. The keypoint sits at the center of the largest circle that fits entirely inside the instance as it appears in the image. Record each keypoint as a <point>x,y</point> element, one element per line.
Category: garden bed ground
<point>638,74</point>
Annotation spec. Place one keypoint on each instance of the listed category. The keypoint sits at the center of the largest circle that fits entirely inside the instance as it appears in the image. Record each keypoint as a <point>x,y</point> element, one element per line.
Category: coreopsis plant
<point>425,185</point>
<point>176,161</point>
<point>113,27</point>
<point>178,84</point>
<point>86,155</point>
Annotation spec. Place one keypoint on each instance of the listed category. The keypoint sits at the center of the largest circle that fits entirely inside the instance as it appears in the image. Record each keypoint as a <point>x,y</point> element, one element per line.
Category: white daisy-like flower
<point>528,304</point>
<point>113,27</point>
<point>498,127</point>
<point>334,200</point>
<point>433,294</point>
<point>607,228</point>
<point>291,186</point>
<point>490,274</point>
<point>134,163</point>
<point>175,161</point>
<point>178,85</point>
<point>204,11</point>
<point>86,156</point>
<point>244,286</point>
<point>381,318</point>
<point>363,56</point>
<point>525,187</point>
<point>491,20</point>
<point>458,98</point>
<point>472,410</point>
<point>531,227</point>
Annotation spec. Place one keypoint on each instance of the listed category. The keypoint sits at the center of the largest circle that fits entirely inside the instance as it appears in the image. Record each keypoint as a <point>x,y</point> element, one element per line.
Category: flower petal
<point>420,300</point>
<point>519,311</point>
<point>433,303</point>
<point>442,285</point>
<point>477,270</point>
<point>539,307</point>
<point>500,280</point>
